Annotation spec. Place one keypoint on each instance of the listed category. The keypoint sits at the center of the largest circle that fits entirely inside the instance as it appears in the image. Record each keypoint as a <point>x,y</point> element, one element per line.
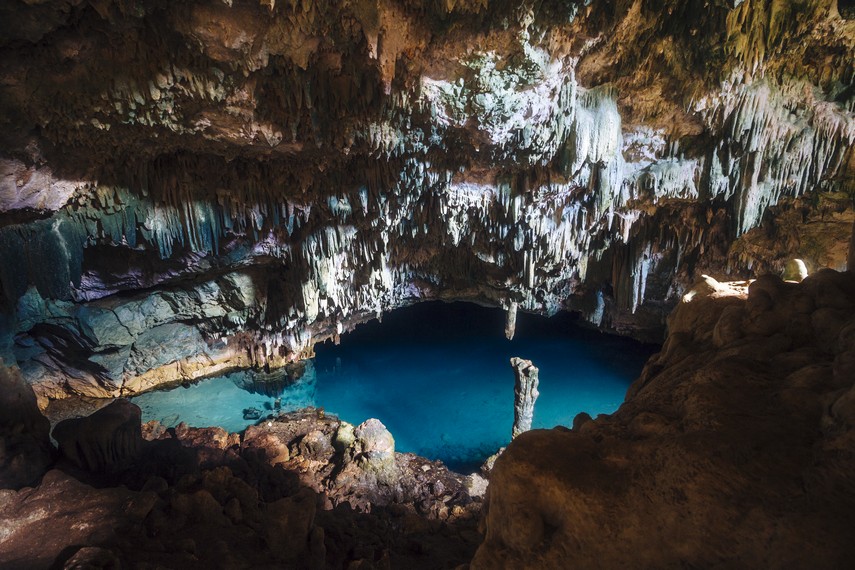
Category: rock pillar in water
<point>525,394</point>
<point>511,321</point>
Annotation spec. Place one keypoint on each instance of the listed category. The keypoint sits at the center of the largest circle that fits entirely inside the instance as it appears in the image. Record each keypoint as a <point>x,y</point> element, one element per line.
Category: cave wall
<point>189,187</point>
<point>733,449</point>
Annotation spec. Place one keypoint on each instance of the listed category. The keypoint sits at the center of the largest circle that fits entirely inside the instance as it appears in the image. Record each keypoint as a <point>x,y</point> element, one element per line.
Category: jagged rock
<point>525,394</point>
<point>728,445</point>
<point>358,466</point>
<point>301,180</point>
<point>25,448</point>
<point>108,441</point>
<point>476,485</point>
<point>344,436</point>
<point>240,513</point>
<point>289,523</point>
<point>374,446</point>
<point>274,449</point>
<point>316,445</point>
<point>39,524</point>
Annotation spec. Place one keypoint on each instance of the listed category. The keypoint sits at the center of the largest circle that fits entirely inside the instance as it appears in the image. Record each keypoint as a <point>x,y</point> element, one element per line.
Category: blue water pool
<point>437,375</point>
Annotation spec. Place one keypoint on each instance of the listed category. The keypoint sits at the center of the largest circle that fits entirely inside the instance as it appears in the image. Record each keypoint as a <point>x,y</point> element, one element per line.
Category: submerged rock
<point>251,414</point>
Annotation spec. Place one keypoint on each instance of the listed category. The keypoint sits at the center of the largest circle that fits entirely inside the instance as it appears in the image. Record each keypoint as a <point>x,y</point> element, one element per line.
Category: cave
<point>200,192</point>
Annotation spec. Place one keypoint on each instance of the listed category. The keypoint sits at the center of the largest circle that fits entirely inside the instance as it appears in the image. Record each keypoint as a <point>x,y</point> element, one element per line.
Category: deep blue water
<point>438,376</point>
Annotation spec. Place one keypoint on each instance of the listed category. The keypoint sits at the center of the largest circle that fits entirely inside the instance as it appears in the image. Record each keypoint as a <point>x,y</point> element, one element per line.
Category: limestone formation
<point>731,450</point>
<point>201,187</point>
<point>511,320</point>
<point>189,188</point>
<point>525,394</point>
<point>374,446</point>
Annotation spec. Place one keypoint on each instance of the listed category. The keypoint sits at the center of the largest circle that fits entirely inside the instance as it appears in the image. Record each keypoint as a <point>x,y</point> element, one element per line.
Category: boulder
<point>795,270</point>
<point>25,448</point>
<point>374,446</point>
<point>108,441</point>
<point>44,527</point>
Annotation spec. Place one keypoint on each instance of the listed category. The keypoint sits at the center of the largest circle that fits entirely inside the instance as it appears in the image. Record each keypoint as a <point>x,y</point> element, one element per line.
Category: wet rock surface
<point>733,449</point>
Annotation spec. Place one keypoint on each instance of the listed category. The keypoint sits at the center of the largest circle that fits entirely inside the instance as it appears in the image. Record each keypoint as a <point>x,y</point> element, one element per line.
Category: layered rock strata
<point>733,449</point>
<point>236,181</point>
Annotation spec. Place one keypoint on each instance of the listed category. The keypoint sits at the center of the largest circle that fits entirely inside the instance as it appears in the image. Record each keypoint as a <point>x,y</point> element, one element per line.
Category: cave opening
<point>436,374</point>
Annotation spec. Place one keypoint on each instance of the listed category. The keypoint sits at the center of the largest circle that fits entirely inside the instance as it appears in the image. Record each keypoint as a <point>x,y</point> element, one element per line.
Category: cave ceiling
<point>252,177</point>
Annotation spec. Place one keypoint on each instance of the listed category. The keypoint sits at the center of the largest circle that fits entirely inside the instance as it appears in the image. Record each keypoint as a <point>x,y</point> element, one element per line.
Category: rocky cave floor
<point>734,449</point>
<point>304,490</point>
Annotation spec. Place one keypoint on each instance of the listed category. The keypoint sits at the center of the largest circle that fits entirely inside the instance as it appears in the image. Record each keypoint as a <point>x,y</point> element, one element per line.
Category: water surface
<point>437,375</point>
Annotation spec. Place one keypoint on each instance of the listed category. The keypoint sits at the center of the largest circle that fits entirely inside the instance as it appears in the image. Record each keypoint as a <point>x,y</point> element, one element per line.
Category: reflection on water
<point>232,400</point>
<point>297,377</point>
<point>437,375</point>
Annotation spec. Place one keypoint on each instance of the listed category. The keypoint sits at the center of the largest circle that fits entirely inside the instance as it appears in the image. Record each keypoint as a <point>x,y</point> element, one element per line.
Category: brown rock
<point>108,441</point>
<point>38,524</point>
<point>25,448</point>
<point>288,524</point>
<point>716,459</point>
<point>93,558</point>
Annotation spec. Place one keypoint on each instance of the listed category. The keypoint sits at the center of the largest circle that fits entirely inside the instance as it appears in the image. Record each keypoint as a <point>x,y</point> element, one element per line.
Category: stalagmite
<point>525,394</point>
<point>511,320</point>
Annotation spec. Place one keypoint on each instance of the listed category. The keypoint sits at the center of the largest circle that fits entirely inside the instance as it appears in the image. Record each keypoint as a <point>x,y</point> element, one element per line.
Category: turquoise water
<point>437,375</point>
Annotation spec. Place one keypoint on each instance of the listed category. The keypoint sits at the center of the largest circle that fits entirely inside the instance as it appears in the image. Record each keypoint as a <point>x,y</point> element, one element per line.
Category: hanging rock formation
<point>236,181</point>
<point>525,394</point>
